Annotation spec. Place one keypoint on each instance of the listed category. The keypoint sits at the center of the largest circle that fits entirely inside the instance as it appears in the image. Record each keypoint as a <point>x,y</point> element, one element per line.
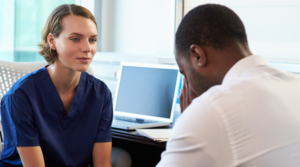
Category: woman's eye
<point>93,40</point>
<point>75,39</point>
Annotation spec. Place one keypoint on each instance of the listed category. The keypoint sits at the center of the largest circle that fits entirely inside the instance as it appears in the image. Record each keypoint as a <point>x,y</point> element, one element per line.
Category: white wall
<point>272,26</point>
<point>133,31</point>
<point>6,31</point>
<point>89,4</point>
<point>143,27</point>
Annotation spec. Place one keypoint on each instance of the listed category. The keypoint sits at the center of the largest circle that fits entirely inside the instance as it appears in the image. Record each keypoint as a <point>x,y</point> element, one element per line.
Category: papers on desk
<point>160,135</point>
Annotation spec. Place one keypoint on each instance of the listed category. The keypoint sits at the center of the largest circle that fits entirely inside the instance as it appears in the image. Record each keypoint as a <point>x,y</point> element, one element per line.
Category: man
<point>247,112</point>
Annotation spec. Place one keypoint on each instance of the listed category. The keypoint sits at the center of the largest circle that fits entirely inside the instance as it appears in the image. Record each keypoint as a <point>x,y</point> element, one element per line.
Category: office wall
<point>7,30</point>
<point>132,31</point>
<point>272,26</point>
<point>138,27</point>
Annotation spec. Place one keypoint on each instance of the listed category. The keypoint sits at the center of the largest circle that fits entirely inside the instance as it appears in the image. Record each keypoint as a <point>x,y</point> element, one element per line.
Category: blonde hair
<point>53,25</point>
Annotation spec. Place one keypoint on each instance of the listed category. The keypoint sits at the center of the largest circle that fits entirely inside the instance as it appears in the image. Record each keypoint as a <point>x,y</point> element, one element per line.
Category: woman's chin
<point>82,68</point>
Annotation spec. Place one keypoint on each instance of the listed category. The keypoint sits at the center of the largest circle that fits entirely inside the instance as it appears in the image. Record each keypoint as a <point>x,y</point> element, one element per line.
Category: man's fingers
<point>181,101</point>
<point>185,93</point>
<point>190,93</point>
<point>182,97</point>
<point>188,89</point>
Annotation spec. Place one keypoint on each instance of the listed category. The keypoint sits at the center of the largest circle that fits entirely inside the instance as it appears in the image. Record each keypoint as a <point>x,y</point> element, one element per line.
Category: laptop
<point>145,96</point>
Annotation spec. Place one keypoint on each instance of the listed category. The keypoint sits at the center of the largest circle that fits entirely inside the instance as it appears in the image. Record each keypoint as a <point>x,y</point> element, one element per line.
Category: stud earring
<point>199,64</point>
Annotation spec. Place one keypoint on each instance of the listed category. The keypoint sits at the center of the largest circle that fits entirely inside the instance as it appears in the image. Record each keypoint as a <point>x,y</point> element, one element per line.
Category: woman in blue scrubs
<point>60,115</point>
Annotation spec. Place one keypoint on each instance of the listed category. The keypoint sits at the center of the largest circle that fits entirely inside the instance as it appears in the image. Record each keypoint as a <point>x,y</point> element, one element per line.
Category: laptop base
<point>132,126</point>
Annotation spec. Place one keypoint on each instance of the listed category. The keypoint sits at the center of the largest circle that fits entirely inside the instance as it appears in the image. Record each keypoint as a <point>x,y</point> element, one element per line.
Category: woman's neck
<point>64,78</point>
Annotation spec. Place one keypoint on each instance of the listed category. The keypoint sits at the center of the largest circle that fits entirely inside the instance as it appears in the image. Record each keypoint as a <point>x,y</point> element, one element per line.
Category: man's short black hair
<point>210,25</point>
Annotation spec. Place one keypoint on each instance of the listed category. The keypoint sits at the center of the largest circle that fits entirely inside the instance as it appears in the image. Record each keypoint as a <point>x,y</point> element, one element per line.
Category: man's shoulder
<point>252,82</point>
<point>221,92</point>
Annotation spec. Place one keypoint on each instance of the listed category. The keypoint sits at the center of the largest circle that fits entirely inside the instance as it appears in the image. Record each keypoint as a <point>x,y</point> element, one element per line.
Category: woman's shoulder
<point>26,82</point>
<point>92,79</point>
<point>96,83</point>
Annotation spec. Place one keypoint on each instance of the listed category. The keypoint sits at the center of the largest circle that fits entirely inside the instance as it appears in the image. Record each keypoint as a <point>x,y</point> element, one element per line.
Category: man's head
<point>209,41</point>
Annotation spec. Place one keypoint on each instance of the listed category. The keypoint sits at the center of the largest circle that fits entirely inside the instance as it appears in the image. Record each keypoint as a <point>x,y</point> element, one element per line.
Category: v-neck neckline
<point>63,115</point>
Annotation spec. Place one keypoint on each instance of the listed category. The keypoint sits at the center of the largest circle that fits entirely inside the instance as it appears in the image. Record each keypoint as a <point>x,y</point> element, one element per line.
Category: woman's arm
<point>31,156</point>
<point>102,144</point>
<point>24,139</point>
<point>102,154</point>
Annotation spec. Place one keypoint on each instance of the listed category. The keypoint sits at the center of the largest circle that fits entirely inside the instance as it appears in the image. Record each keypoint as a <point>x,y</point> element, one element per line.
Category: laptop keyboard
<point>134,120</point>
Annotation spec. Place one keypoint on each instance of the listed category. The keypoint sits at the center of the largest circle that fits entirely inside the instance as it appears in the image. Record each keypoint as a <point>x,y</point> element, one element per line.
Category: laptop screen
<point>146,91</point>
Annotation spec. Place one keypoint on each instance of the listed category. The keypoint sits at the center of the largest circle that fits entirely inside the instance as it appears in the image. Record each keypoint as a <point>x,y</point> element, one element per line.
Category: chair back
<point>10,72</point>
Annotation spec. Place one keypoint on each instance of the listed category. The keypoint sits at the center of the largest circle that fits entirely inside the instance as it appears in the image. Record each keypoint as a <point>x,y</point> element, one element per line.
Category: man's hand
<point>186,96</point>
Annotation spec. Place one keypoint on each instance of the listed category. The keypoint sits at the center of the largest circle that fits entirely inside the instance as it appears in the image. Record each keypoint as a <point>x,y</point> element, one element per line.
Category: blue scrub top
<point>34,115</point>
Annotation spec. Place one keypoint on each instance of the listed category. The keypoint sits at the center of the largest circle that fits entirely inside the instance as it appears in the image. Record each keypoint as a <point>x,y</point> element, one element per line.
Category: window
<point>21,24</point>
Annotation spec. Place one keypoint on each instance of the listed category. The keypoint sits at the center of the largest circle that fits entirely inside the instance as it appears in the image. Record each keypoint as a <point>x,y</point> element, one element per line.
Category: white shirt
<point>251,120</point>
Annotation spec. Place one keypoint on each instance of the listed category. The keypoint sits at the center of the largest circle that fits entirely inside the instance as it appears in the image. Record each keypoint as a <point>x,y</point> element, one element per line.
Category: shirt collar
<point>243,65</point>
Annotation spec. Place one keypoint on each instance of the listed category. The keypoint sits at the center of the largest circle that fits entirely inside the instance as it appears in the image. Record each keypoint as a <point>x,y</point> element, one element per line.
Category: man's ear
<point>198,57</point>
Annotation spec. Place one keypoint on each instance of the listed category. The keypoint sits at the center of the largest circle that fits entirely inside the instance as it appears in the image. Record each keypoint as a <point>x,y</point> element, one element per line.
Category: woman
<point>60,115</point>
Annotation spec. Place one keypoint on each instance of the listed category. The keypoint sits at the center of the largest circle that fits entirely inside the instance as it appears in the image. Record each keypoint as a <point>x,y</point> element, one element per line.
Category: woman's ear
<point>50,40</point>
<point>198,57</point>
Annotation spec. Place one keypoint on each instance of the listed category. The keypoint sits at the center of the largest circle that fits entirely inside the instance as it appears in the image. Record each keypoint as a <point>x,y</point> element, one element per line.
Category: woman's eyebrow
<point>74,33</point>
<point>96,35</point>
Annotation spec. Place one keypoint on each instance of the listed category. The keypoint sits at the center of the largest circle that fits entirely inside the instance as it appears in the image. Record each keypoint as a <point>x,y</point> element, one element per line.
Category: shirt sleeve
<point>18,122</point>
<point>104,128</point>
<point>197,140</point>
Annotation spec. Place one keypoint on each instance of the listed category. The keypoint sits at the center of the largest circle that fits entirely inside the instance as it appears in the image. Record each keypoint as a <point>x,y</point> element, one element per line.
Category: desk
<point>144,151</point>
